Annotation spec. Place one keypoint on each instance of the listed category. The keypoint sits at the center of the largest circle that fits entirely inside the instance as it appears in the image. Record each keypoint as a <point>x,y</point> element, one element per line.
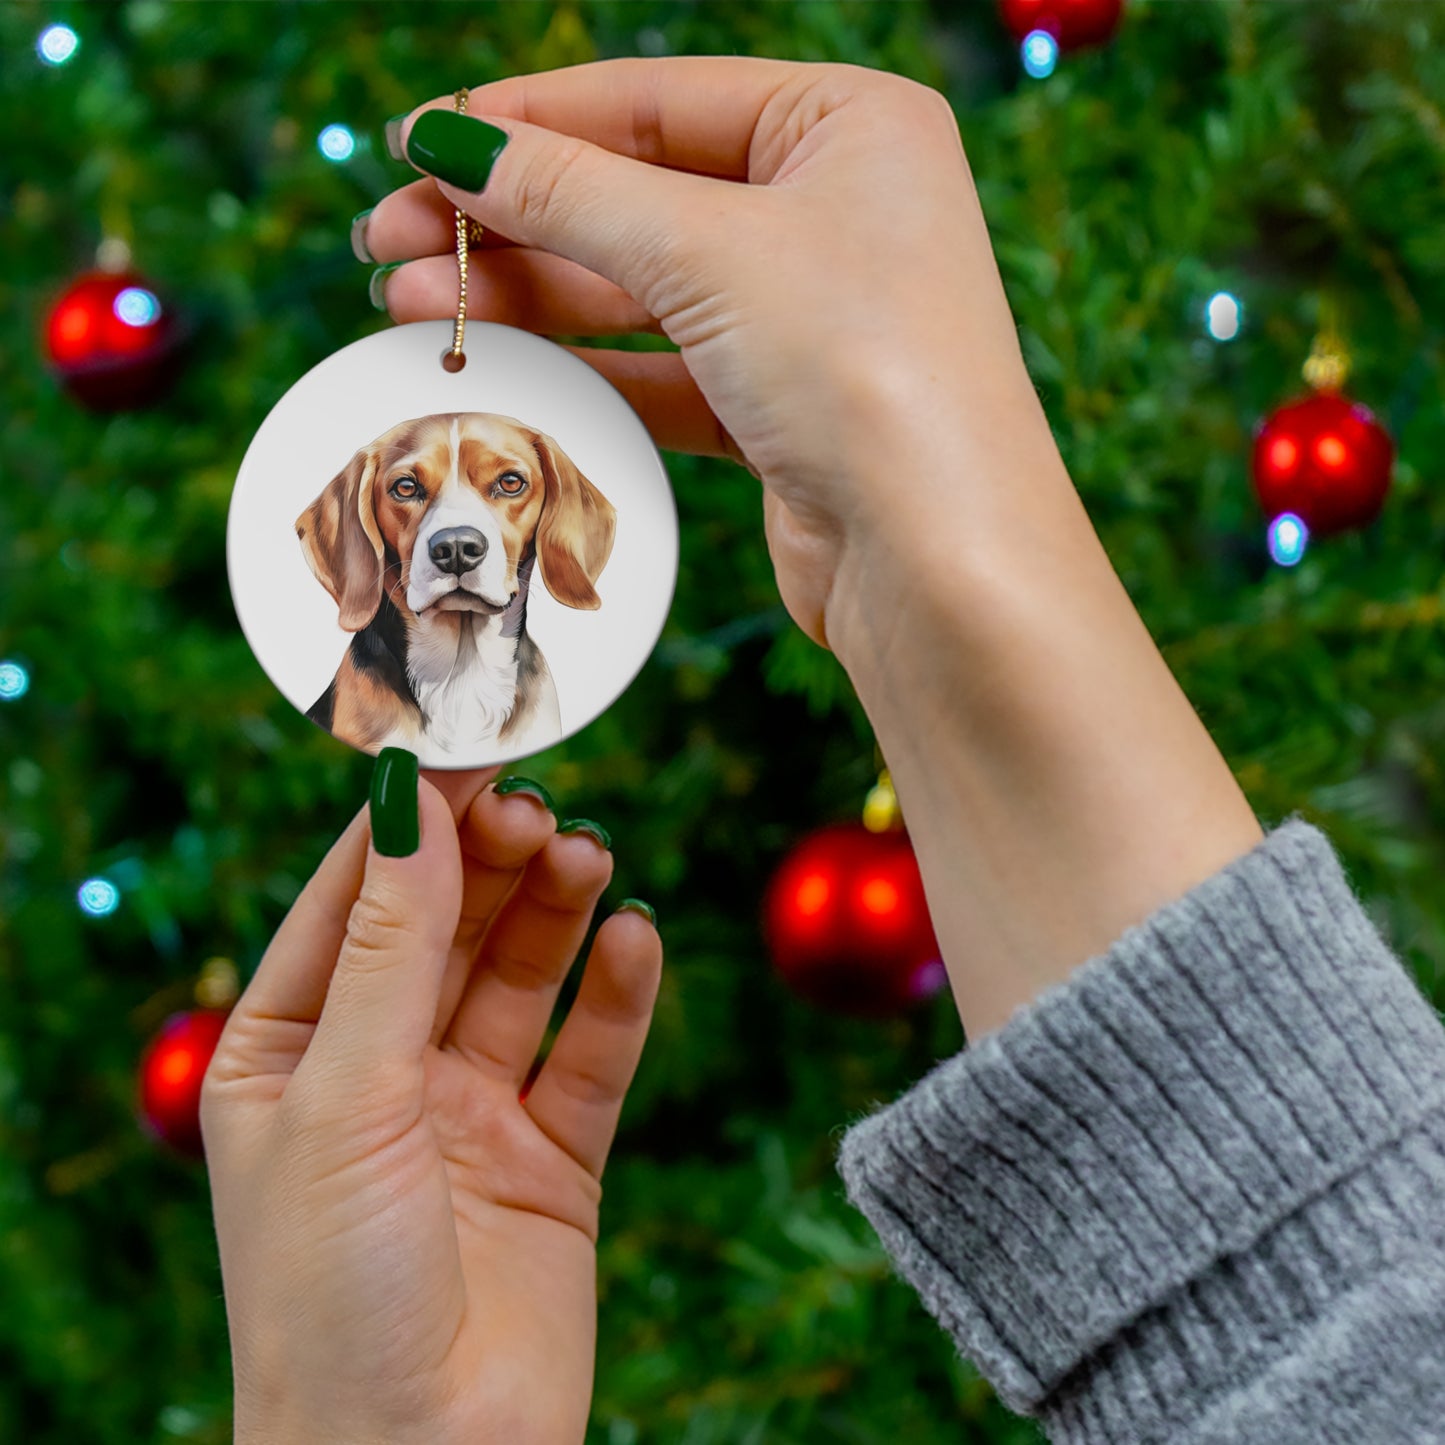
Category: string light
<point>336,143</point>
<point>1223,316</point>
<point>14,681</point>
<point>98,897</point>
<point>137,307</point>
<point>1040,52</point>
<point>1288,538</point>
<point>57,44</point>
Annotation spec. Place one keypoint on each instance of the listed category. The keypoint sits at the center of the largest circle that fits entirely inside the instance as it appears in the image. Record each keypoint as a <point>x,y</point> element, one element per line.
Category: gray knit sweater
<point>1196,1192</point>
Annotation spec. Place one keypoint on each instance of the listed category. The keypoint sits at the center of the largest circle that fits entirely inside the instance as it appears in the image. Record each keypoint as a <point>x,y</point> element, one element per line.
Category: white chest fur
<point>464,673</point>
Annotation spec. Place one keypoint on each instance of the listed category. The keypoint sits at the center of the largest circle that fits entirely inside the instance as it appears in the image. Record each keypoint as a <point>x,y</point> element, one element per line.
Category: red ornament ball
<point>847,923</point>
<point>1326,459</point>
<point>112,341</point>
<point>1073,23</point>
<point>171,1072</point>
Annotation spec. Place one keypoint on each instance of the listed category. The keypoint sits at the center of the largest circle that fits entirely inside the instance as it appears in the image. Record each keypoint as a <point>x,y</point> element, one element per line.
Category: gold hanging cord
<point>469,233</point>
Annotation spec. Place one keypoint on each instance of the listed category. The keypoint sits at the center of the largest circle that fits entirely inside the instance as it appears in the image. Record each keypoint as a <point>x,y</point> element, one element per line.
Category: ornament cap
<point>113,254</point>
<point>881,813</point>
<point>1328,365</point>
<point>219,985</point>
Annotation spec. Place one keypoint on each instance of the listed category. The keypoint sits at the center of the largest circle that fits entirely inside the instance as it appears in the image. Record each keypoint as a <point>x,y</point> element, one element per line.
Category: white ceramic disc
<point>472,565</point>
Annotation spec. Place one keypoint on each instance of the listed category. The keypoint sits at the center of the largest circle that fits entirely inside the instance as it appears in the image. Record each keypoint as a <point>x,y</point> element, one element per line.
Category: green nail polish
<point>586,825</point>
<point>359,248</point>
<point>376,288</point>
<point>636,905</point>
<point>395,824</point>
<point>392,132</point>
<point>527,786</point>
<point>455,148</point>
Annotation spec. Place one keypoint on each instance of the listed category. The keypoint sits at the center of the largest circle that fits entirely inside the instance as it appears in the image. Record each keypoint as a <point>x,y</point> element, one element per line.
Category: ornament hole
<point>453,360</point>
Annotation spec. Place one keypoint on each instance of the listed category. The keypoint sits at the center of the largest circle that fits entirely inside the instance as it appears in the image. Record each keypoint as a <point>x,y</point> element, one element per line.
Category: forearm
<point>1056,782</point>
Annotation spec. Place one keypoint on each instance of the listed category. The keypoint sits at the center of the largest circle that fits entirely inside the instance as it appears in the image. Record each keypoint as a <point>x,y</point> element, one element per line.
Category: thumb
<point>382,1000</point>
<point>633,223</point>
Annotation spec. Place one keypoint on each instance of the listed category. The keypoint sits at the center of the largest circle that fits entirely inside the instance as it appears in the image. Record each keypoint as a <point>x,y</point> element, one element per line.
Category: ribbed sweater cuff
<point>1144,1165</point>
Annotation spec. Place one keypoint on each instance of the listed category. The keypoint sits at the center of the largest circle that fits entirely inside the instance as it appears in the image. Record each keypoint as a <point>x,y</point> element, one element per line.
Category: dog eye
<point>405,488</point>
<point>511,484</point>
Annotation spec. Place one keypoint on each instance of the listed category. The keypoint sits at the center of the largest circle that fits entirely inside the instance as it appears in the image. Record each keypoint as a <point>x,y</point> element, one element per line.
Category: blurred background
<point>1188,205</point>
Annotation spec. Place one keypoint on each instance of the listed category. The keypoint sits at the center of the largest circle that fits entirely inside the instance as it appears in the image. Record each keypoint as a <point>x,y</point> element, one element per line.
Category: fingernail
<point>376,288</point>
<point>359,248</point>
<point>525,785</point>
<point>636,905</point>
<point>586,825</point>
<point>455,148</point>
<point>395,821</point>
<point>393,136</point>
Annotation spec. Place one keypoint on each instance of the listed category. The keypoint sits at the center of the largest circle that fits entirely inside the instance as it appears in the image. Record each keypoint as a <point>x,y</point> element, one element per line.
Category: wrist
<point>1057,784</point>
<point>942,523</point>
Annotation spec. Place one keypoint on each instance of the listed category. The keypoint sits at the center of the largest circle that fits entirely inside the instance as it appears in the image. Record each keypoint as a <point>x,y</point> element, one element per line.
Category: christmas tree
<point>162,804</point>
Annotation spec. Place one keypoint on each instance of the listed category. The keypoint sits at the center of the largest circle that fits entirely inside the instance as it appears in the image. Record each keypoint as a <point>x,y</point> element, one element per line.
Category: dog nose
<point>457,549</point>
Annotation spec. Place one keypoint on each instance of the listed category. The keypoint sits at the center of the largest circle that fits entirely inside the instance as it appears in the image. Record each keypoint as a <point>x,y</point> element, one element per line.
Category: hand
<point>844,330</point>
<point>839,304</point>
<point>408,1247</point>
<point>810,237</point>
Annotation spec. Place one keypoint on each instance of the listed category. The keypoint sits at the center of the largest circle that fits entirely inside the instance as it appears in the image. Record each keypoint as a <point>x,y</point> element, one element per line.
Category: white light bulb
<point>1040,52</point>
<point>1223,316</point>
<point>98,897</point>
<point>14,681</point>
<point>1288,538</point>
<point>57,44</point>
<point>336,143</point>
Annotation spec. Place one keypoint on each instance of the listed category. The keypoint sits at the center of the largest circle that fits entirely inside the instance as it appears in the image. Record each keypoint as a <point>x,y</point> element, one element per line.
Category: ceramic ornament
<point>471,564</point>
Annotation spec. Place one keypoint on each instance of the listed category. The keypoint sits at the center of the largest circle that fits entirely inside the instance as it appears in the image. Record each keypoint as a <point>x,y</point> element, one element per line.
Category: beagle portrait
<point>427,541</point>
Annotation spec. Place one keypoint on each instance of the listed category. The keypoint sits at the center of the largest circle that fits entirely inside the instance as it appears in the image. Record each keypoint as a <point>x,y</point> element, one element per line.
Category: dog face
<point>441,512</point>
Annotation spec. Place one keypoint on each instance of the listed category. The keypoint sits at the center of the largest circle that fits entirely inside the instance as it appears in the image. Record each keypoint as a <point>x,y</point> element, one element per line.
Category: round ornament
<point>1324,458</point>
<point>172,1070</point>
<point>469,563</point>
<point>112,341</point>
<point>1072,23</point>
<point>847,923</point>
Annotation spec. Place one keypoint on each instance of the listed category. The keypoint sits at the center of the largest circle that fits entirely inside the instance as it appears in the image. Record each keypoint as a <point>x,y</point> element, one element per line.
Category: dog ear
<point>342,543</point>
<point>574,537</point>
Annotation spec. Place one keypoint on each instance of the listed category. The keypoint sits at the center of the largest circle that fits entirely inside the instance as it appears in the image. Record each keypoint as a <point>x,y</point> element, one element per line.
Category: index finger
<point>696,113</point>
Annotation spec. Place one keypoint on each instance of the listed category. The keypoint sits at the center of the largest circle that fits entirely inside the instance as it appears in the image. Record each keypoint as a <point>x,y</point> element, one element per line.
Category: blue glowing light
<point>1040,53</point>
<point>1223,316</point>
<point>57,44</point>
<point>1288,538</point>
<point>137,307</point>
<point>336,143</point>
<point>14,681</point>
<point>98,897</point>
